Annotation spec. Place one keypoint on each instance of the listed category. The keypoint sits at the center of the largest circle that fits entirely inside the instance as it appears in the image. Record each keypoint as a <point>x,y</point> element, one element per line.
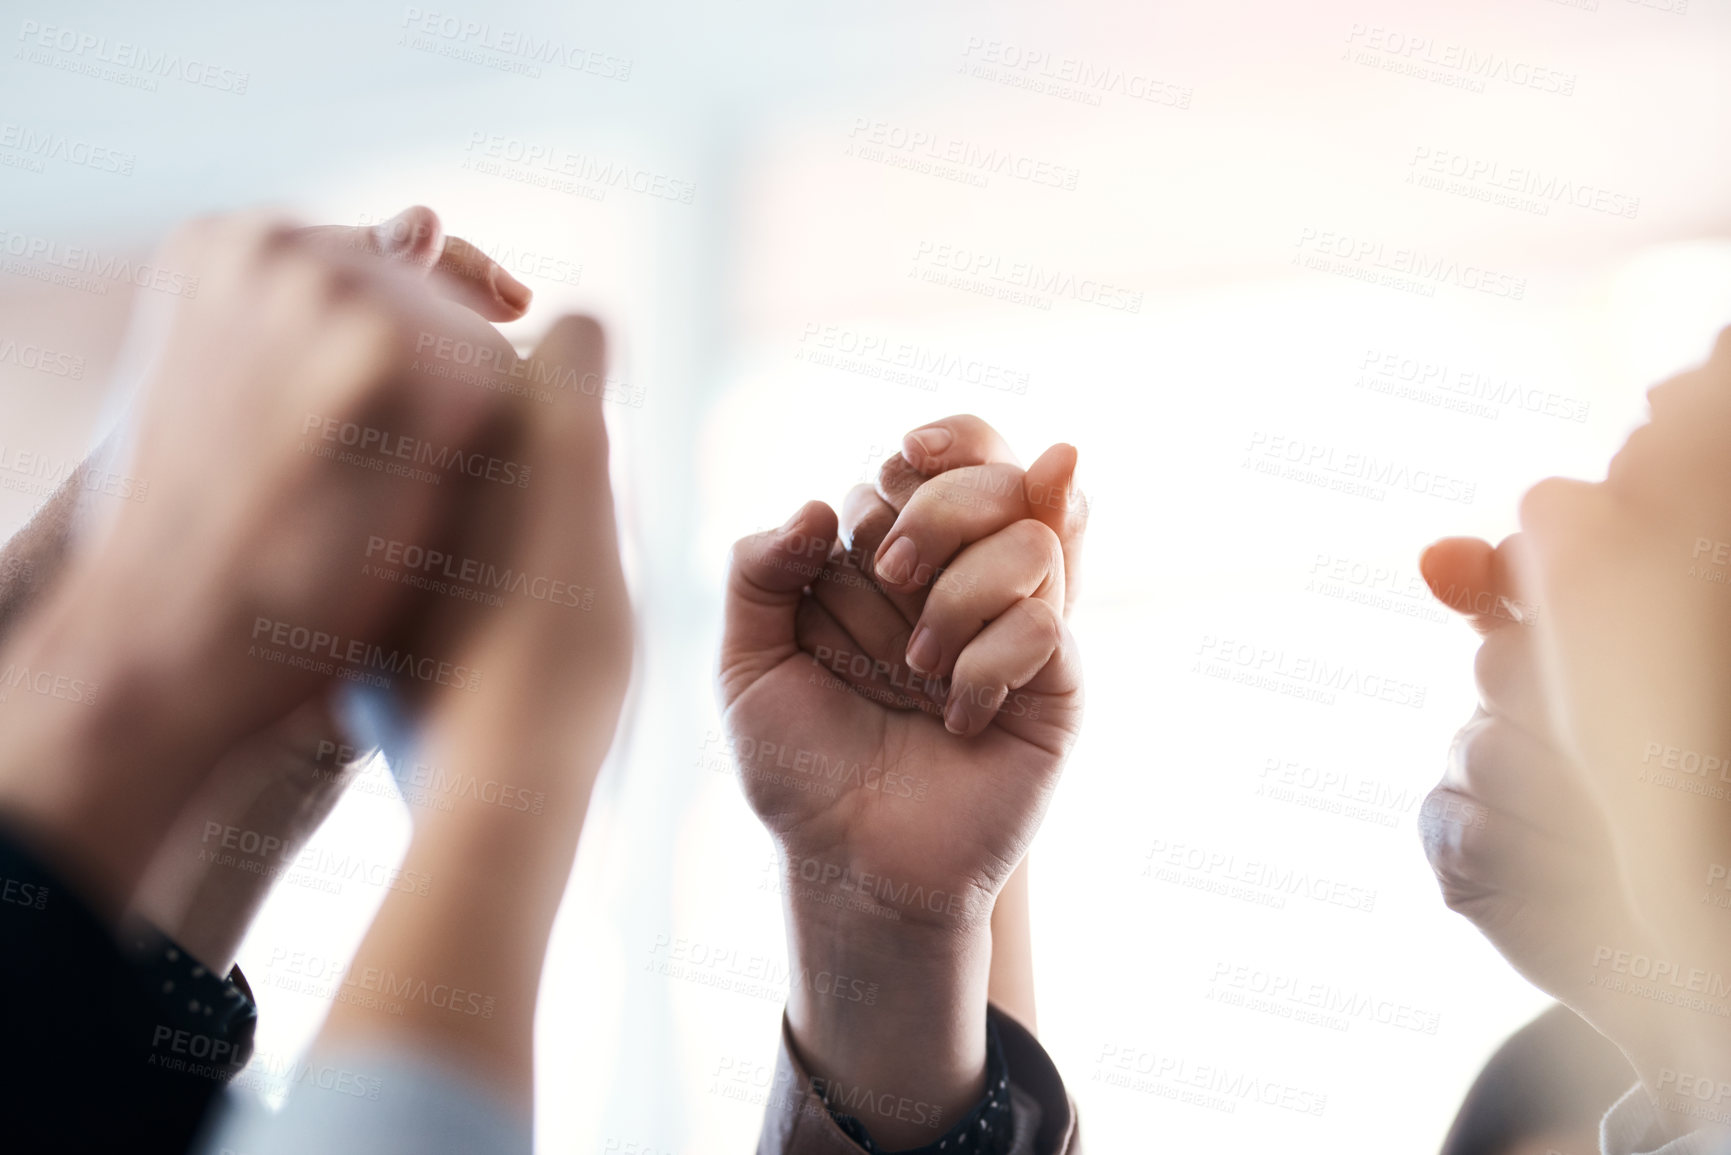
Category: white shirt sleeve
<point>1631,1127</point>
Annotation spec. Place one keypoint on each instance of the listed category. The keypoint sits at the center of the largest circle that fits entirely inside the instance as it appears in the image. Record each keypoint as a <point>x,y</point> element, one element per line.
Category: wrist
<point>890,1013</point>
<point>90,756</point>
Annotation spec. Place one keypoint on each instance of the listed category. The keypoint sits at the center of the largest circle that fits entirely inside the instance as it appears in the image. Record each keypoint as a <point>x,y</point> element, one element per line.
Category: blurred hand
<point>281,782</point>
<point>1631,664</point>
<point>248,524</point>
<point>557,656</point>
<point>901,696</point>
<point>1517,840</point>
<point>557,653</point>
<point>1637,644</point>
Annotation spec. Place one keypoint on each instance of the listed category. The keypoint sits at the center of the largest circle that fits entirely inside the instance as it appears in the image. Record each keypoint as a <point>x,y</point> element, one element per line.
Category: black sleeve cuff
<point>988,1129</point>
<point>121,1045</point>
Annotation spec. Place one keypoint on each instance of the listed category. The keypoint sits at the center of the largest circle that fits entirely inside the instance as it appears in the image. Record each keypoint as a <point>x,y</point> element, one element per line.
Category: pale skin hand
<point>281,783</point>
<point>544,716</point>
<point>1518,843</point>
<point>983,748</point>
<point>1637,659</point>
<point>1614,561</point>
<point>1631,653</point>
<point>282,327</point>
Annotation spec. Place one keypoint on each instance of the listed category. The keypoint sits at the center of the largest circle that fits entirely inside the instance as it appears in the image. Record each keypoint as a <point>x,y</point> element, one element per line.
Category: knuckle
<point>897,479</point>
<point>573,336</point>
<point>1547,504</point>
<point>1044,621</point>
<point>410,229</point>
<point>1038,540</point>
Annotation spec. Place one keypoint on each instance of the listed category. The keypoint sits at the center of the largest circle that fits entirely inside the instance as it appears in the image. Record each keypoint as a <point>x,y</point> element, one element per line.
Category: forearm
<point>202,890</point>
<point>1012,980</point>
<point>474,926</point>
<point>32,558</point>
<point>892,1013</point>
<point>95,762</point>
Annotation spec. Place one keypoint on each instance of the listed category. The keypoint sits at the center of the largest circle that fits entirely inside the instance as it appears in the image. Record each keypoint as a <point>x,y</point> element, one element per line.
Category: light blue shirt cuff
<point>371,1102</point>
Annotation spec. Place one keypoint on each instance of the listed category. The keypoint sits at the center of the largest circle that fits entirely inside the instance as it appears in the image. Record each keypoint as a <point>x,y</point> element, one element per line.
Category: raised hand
<point>1624,679</point>
<point>247,522</point>
<point>1519,843</point>
<point>557,669</point>
<point>901,740</point>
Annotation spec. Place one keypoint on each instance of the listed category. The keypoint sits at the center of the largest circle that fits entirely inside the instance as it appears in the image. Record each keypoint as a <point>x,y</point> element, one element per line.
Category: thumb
<point>767,576</point>
<point>1050,489</point>
<point>1478,581</point>
<point>455,268</point>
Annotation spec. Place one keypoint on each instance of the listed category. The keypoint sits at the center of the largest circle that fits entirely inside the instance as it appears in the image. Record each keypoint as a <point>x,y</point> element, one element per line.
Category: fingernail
<point>897,562</point>
<point>923,651</point>
<point>956,718</point>
<point>923,444</point>
<point>514,293</point>
<point>788,525</point>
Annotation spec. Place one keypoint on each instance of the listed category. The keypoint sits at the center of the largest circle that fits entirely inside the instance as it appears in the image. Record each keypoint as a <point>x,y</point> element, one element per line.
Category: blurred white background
<point>1249,175</point>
